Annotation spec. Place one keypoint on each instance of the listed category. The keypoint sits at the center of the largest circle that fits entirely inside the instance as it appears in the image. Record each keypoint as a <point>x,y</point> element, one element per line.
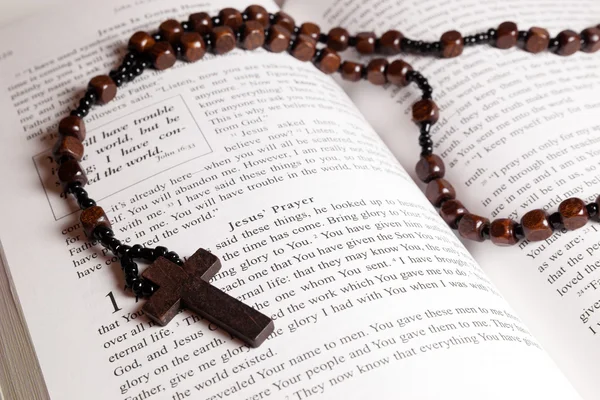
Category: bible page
<point>517,131</point>
<point>266,162</point>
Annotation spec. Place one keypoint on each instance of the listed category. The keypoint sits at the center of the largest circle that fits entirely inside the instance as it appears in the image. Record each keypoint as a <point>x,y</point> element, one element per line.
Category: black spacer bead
<point>147,254</point>
<point>102,232</point>
<point>136,251</point>
<point>179,262</point>
<point>130,56</point>
<point>216,21</point>
<point>131,269</point>
<point>157,37</point>
<point>136,287</point>
<point>323,37</point>
<point>352,41</point>
<point>592,209</point>
<point>426,128</point>
<point>112,243</point>
<point>519,231</point>
<point>185,25</point>
<point>426,151</point>
<point>123,250</point>
<point>555,219</point>
<point>485,232</point>
<point>148,288</point>
<point>130,280</point>
<point>172,256</point>
<point>553,45</point>
<point>86,203</point>
<point>523,35</point>
<point>492,33</point>
<point>83,111</point>
<point>91,96</point>
<point>160,251</point>
<point>76,113</point>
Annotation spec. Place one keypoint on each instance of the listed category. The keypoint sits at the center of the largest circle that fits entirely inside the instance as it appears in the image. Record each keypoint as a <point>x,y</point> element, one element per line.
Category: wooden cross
<point>189,287</point>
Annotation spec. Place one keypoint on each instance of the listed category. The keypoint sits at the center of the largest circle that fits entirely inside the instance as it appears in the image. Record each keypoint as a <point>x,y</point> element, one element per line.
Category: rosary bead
<point>425,111</point>
<point>365,42</point>
<point>130,269</point>
<point>201,23</point>
<point>536,226</point>
<point>506,36</point>
<point>124,250</point>
<point>147,288</point>
<point>252,35</point>
<point>223,39</point>
<point>72,126</point>
<point>473,227</point>
<point>141,42</point>
<point>329,61</point>
<point>396,72</point>
<point>555,220</point>
<point>93,217</point>
<point>69,172</point>
<point>304,48</point>
<point>102,233</point>
<point>430,167</point>
<point>502,232</point>
<point>310,29</point>
<point>285,21</point>
<point>438,191</point>
<point>171,30</point>
<point>162,56</point>
<point>172,256</point>
<point>351,71</point>
<point>86,203</point>
<point>112,243</point>
<point>193,47</point>
<point>592,209</point>
<point>591,40</point>
<point>259,14</point>
<point>573,213</point>
<point>160,251</point>
<point>452,44</point>
<point>569,42</point>
<point>68,147</point>
<point>136,285</point>
<point>338,39</point>
<point>231,17</point>
<point>136,251</point>
<point>278,39</point>
<point>537,40</point>
<point>389,43</point>
<point>104,87</point>
<point>452,211</point>
<point>376,71</point>
<point>147,254</point>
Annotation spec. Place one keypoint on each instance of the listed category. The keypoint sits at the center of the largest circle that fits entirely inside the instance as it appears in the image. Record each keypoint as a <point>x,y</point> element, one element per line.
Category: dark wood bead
<point>329,61</point>
<point>171,30</point>
<point>376,71</point>
<point>438,191</point>
<point>389,43</point>
<point>472,227</point>
<point>502,232</point>
<point>591,40</point>
<point>310,29</point>
<point>93,217</point>
<point>452,44</point>
<point>223,39</point>
<point>425,111</point>
<point>253,35</point>
<point>68,147</point>
<point>396,72</point>
<point>337,39</point>
<point>69,172</point>
<point>105,88</point>
<point>304,48</point>
<point>365,42</point>
<point>201,22</point>
<point>162,56</point>
<point>284,20</point>
<point>536,225</point>
<point>569,42</point>
<point>537,40</point>
<point>452,211</point>
<point>193,47</point>
<point>352,71</point>
<point>259,14</point>
<point>72,125</point>
<point>278,39</point>
<point>430,167</point>
<point>141,42</point>
<point>573,213</point>
<point>231,17</point>
<point>507,35</point>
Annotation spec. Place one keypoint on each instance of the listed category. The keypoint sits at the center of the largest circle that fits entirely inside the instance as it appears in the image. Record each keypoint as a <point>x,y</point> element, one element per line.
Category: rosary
<point>169,282</point>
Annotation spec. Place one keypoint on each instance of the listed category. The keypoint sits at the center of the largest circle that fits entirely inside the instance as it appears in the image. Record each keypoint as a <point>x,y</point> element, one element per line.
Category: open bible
<point>302,185</point>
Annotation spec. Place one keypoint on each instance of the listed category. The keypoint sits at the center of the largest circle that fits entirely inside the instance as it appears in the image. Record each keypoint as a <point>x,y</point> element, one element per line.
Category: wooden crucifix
<point>189,287</point>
